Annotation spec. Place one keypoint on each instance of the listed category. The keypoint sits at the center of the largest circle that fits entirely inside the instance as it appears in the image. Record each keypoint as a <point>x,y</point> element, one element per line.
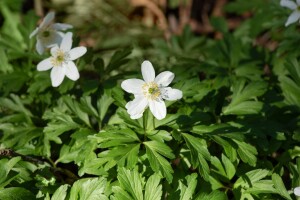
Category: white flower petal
<point>72,71</point>
<point>171,94</point>
<point>44,65</point>
<point>55,40</point>
<point>148,71</point>
<point>293,18</point>
<point>48,19</point>
<point>61,34</point>
<point>61,26</point>
<point>53,50</point>
<point>164,78</point>
<point>158,108</point>
<point>128,104</point>
<point>77,52</point>
<point>298,3</point>
<point>289,4</point>
<point>39,47</point>
<point>66,42</point>
<point>297,191</point>
<point>34,32</point>
<point>133,86</point>
<point>137,106</point>
<point>57,76</point>
<point>136,116</point>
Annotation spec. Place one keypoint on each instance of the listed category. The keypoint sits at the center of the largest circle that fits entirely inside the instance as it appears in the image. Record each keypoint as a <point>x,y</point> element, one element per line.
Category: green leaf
<point>60,193</point>
<point>215,183</point>
<point>279,186</point>
<point>219,24</point>
<point>226,169</point>
<point>262,187</point>
<point>79,149</point>
<point>120,194</point>
<point>170,120</point>
<point>218,165</point>
<point>159,135</point>
<point>199,154</point>
<point>123,146</point>
<point>126,155</point>
<point>60,123</point>
<point>187,191</point>
<point>103,104</point>
<point>77,153</point>
<point>19,136</point>
<point>229,167</point>
<point>5,65</point>
<point>15,193</point>
<point>89,189</point>
<point>251,71</point>
<point>76,108</point>
<point>244,108</point>
<point>241,6</point>
<point>86,105</point>
<point>229,150</point>
<point>111,138</point>
<point>118,59</point>
<point>7,174</point>
<point>246,152</point>
<point>118,95</point>
<point>153,190</point>
<point>251,177</point>
<point>214,195</point>
<point>197,144</point>
<point>126,119</point>
<point>99,65</point>
<point>294,70</point>
<point>290,82</point>
<point>10,27</point>
<point>93,165</point>
<point>13,82</point>
<point>16,104</point>
<point>244,98</point>
<point>132,182</point>
<point>41,83</point>
<point>158,163</point>
<point>160,148</point>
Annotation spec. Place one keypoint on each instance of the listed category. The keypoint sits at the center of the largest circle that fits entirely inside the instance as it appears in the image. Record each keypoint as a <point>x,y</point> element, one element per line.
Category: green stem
<point>153,122</point>
<point>145,120</point>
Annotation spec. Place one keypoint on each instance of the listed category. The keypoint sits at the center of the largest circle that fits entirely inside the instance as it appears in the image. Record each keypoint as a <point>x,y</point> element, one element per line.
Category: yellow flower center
<point>151,90</point>
<point>46,33</point>
<point>59,58</point>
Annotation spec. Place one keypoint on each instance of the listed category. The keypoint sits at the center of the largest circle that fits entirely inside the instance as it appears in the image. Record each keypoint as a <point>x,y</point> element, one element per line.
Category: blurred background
<point>134,21</point>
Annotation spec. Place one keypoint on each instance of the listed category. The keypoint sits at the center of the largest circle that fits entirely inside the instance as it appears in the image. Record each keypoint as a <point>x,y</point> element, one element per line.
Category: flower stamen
<point>151,90</point>
<point>59,58</point>
<point>46,33</point>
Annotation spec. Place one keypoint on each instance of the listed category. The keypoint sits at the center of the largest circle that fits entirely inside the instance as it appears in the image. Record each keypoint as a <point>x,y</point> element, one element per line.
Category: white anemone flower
<point>48,33</point>
<point>297,191</point>
<point>61,61</point>
<point>295,7</point>
<point>150,92</point>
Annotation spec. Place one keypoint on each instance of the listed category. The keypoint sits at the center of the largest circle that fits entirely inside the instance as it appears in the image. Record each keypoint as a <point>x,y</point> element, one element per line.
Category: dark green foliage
<point>234,135</point>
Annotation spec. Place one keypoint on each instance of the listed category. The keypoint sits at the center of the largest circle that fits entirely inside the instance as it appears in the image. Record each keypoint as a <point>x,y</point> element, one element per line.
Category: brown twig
<point>38,7</point>
<point>154,8</point>
<point>11,153</point>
